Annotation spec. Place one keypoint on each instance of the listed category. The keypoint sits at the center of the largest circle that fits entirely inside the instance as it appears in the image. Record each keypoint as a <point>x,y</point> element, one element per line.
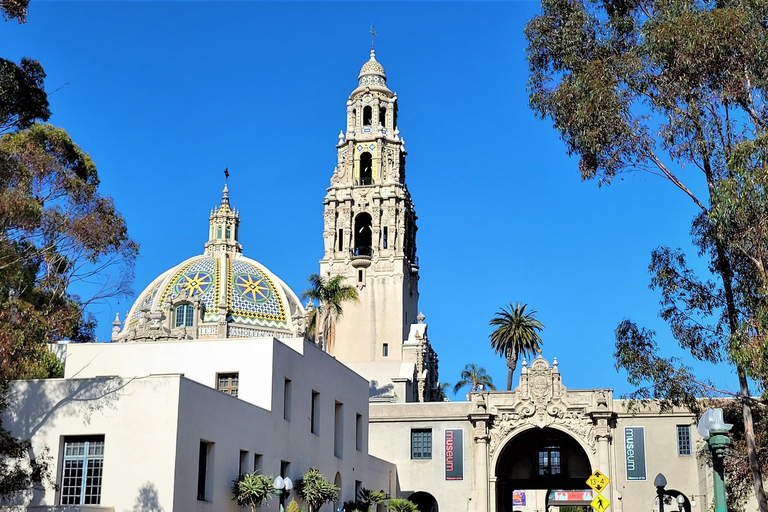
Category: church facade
<point>211,375</point>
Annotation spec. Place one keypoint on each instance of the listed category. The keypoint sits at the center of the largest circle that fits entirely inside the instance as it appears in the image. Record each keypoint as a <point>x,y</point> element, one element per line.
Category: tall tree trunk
<point>724,268</point>
<point>511,364</point>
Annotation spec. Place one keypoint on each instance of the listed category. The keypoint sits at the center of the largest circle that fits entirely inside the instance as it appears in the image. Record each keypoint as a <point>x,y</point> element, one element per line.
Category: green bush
<point>252,489</point>
<point>402,505</point>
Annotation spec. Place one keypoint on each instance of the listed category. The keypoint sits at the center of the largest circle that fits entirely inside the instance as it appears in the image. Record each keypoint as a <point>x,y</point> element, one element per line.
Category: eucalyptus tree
<point>663,86</point>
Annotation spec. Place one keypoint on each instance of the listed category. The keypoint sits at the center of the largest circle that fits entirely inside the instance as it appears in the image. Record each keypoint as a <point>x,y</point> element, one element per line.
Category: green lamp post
<point>714,430</point>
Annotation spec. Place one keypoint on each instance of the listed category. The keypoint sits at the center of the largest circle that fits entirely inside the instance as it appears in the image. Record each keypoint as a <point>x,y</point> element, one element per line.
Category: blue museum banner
<point>454,454</point>
<point>634,452</point>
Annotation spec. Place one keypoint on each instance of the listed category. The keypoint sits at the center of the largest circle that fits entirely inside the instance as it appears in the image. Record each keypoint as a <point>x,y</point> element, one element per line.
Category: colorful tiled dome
<point>372,72</point>
<point>218,294</point>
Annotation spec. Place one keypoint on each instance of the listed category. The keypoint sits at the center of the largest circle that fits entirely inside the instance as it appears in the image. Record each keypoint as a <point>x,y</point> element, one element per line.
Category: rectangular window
<point>338,430</point>
<point>228,382</point>
<point>204,471</point>
<point>550,461</point>
<point>257,463</point>
<point>385,349</point>
<point>359,432</point>
<point>683,439</point>
<point>82,470</point>
<point>314,414</point>
<point>384,241</point>
<point>243,463</point>
<point>421,443</point>
<point>287,399</point>
<point>285,468</point>
<point>341,239</point>
<point>360,276</point>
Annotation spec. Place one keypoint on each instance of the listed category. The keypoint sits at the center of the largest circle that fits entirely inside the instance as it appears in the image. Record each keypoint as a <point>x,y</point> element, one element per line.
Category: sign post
<point>599,482</point>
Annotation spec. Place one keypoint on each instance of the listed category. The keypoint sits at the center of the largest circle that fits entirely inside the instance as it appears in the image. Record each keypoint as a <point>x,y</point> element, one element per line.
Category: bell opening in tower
<point>363,235</point>
<point>367,116</point>
<point>366,171</point>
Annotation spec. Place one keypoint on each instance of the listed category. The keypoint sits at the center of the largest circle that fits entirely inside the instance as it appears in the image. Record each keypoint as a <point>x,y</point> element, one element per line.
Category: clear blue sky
<point>165,95</point>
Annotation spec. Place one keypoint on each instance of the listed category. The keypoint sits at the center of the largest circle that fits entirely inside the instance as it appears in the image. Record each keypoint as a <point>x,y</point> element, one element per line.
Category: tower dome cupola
<point>372,72</point>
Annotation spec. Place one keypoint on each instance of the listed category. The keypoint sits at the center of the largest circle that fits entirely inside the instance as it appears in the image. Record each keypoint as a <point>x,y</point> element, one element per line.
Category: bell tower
<point>370,226</point>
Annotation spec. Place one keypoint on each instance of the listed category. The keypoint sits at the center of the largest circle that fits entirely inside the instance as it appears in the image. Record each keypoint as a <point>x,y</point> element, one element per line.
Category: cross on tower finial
<point>226,174</point>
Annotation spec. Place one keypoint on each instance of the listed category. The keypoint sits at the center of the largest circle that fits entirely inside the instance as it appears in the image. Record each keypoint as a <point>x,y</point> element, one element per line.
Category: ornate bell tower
<point>370,227</point>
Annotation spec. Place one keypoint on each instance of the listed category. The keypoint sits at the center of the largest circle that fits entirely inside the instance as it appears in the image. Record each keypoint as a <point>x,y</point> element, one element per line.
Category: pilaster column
<point>480,419</point>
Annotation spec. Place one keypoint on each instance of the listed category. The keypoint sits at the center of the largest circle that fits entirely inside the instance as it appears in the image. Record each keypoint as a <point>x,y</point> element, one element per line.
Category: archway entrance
<point>424,501</point>
<point>540,459</point>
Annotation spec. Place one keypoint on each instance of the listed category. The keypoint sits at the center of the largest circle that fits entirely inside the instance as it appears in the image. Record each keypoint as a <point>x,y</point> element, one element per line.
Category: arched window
<point>229,232</point>
<point>366,170</point>
<point>218,232</point>
<point>184,315</point>
<point>363,235</point>
<point>367,116</point>
<point>382,116</point>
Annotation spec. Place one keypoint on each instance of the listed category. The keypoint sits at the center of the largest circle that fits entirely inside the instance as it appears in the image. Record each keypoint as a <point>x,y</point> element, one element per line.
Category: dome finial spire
<point>225,192</point>
<point>373,34</point>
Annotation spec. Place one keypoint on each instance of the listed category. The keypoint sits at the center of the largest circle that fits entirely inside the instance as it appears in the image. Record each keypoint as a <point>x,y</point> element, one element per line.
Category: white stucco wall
<point>137,418</point>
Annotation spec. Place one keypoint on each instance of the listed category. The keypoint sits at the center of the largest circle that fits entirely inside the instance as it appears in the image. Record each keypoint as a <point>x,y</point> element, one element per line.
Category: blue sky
<point>165,95</point>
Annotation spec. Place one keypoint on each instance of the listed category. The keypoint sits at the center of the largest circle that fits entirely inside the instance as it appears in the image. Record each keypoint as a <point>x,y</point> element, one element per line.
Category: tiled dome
<point>372,72</point>
<point>224,286</point>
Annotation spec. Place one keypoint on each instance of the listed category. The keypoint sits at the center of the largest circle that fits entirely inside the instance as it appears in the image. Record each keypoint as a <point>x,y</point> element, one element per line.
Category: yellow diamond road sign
<point>598,482</point>
<point>600,503</point>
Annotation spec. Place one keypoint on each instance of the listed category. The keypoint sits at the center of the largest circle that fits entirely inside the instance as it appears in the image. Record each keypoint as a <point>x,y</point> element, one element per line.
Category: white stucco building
<point>210,376</point>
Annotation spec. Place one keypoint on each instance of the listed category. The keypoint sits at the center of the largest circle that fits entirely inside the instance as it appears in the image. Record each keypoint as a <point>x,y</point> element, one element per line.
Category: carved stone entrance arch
<point>541,410</point>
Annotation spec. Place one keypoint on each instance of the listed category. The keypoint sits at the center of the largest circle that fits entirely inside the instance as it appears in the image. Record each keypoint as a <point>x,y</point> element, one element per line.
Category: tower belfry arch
<point>369,237</point>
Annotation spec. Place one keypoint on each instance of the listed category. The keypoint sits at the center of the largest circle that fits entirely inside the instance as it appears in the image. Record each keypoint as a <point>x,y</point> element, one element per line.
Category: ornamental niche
<point>541,400</point>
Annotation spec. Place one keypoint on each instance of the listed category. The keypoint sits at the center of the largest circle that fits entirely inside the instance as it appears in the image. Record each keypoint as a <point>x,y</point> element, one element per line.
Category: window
<point>359,432</point>
<point>204,471</point>
<point>314,413</point>
<point>218,232</point>
<point>341,239</point>
<point>243,463</point>
<point>184,315</point>
<point>287,400</point>
<point>367,115</point>
<point>421,443</point>
<point>385,237</point>
<point>385,350</point>
<point>550,461</point>
<point>82,470</point>
<point>338,430</point>
<point>257,462</point>
<point>683,439</point>
<point>382,116</point>
<point>229,232</point>
<point>228,382</point>
<point>366,169</point>
<point>360,276</point>
<point>285,468</point>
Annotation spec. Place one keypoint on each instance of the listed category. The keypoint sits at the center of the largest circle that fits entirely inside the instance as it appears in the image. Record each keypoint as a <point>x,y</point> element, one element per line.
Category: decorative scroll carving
<point>542,401</point>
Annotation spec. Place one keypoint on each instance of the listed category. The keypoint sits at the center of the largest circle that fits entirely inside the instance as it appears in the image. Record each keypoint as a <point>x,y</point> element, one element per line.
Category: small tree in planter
<point>367,498</point>
<point>252,489</point>
<point>402,505</point>
<point>315,490</point>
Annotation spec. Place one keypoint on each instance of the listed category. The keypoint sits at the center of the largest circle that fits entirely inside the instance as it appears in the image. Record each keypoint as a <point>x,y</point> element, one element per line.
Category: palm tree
<point>474,376</point>
<point>330,292</point>
<point>517,333</point>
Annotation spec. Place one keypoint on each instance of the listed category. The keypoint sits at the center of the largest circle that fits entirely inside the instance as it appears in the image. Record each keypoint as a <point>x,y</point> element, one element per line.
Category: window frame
<point>421,437</point>
<point>550,447</point>
<point>684,438</point>
<point>187,319</point>
<point>87,480</point>
<point>230,388</point>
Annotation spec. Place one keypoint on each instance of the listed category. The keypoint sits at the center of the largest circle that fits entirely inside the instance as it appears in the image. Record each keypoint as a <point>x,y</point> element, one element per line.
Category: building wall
<point>137,417</point>
<point>390,437</point>
<point>153,424</point>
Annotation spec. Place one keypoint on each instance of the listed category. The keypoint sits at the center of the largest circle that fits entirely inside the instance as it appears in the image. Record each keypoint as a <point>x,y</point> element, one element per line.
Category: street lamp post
<point>282,487</point>
<point>714,430</point>
<point>660,482</point>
